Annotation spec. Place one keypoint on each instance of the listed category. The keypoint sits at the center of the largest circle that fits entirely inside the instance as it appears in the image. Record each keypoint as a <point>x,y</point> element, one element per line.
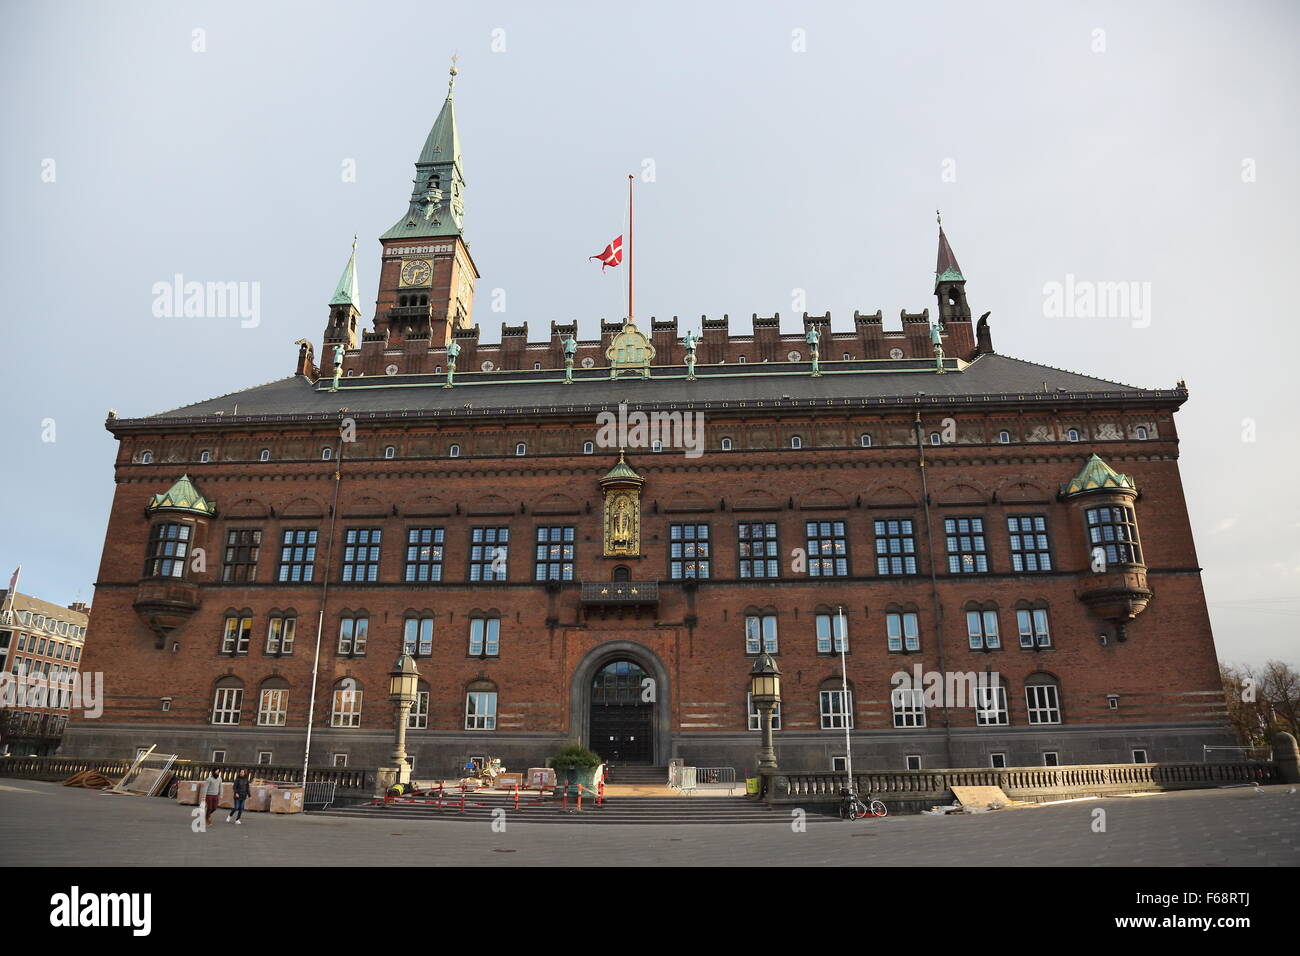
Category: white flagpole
<point>844,700</point>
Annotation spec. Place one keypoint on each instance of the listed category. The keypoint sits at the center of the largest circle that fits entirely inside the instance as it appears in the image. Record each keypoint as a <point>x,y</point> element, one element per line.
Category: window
<point>346,706</point>
<point>830,633</point>
<point>828,549</point>
<point>1073,434</point>
<point>226,704</point>
<point>239,629</point>
<point>424,554</point>
<point>205,456</point>
<point>913,761</point>
<point>909,706</point>
<point>489,550</point>
<point>966,545</point>
<point>865,441</point>
<point>1140,756</point>
<point>353,632</point>
<point>243,545</point>
<point>390,451</point>
<point>998,761</point>
<point>1112,701</point>
<point>417,639</point>
<point>361,554</point>
<point>982,630</point>
<point>521,449</point>
<point>485,636</point>
<point>1004,437</point>
<point>1114,529</point>
<point>936,438</point>
<point>743,360</point>
<point>991,705</point>
<point>280,634</point>
<point>895,546</point>
<point>1141,433</point>
<point>146,458</point>
<point>796,441</point>
<point>168,548</point>
<point>554,558</point>
<point>453,451</point>
<point>656,446</point>
<point>273,707</point>
<point>1032,624</point>
<point>588,448</point>
<point>1029,549</point>
<point>760,633</point>
<point>839,764</point>
<point>847,356</point>
<point>297,554</point>
<point>900,627</point>
<point>836,708</point>
<point>1043,700</point>
<point>536,366</point>
<point>418,719</point>
<point>218,756</point>
<point>481,707</point>
<point>1051,758</point>
<point>726,444</point>
<point>758,550</point>
<point>755,719</point>
<point>326,453</point>
<point>264,455</point>
<point>688,551</point>
<point>339,760</point>
<point>264,756</point>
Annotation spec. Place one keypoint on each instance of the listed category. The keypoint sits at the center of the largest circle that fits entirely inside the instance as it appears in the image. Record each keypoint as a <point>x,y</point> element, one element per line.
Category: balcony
<point>620,594</point>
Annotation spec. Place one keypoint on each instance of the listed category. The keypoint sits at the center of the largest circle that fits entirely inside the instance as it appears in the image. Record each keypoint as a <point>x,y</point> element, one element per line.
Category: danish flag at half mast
<point>612,256</point>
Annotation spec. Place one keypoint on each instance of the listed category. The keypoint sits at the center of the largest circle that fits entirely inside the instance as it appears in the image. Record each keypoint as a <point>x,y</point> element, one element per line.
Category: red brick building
<point>969,512</point>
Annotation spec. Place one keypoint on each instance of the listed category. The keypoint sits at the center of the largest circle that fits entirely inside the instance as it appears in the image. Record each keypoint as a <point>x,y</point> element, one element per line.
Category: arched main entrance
<point>621,724</point>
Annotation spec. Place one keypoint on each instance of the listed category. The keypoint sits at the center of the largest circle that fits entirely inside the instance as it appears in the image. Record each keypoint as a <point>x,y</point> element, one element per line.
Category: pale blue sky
<point>776,170</point>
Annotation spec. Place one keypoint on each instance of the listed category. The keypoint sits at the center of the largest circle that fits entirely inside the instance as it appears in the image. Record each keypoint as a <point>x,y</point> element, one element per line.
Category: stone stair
<point>635,775</point>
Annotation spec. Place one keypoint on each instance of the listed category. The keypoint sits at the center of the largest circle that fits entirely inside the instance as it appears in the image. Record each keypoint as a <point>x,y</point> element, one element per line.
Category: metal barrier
<point>319,793</point>
<point>1229,754</point>
<point>690,779</point>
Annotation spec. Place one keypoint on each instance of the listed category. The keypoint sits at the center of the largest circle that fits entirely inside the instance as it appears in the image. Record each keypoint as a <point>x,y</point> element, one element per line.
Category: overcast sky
<point>794,147</point>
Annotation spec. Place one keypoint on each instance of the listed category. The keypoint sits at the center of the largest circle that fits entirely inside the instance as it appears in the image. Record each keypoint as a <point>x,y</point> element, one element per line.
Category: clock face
<point>416,272</point>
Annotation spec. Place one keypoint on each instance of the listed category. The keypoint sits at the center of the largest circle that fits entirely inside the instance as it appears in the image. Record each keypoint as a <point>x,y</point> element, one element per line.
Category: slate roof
<point>884,383</point>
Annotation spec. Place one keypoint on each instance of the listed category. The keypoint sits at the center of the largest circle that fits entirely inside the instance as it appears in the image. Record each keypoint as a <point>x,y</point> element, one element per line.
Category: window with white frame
<point>796,441</point>
<point>417,637</point>
<point>481,710</point>
<point>264,757</point>
<point>755,719</point>
<point>1043,701</point>
<point>280,633</point>
<point>998,761</point>
<point>273,707</point>
<point>1140,756</point>
<point>760,633</point>
<point>345,709</point>
<point>235,638</point>
<point>836,707</point>
<point>1032,624</point>
<point>588,448</point>
<point>485,636</point>
<point>1004,437</point>
<point>453,451</point>
<point>227,703</point>
<point>864,440</point>
<point>982,630</point>
<point>901,631</point>
<point>831,638</point>
<point>419,716</point>
<point>908,705</point>
<point>912,762</point>
<point>353,634</point>
<point>991,705</point>
<point>1051,758</point>
<point>726,444</point>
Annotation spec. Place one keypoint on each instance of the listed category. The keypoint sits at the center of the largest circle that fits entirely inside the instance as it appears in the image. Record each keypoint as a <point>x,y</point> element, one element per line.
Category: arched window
<point>481,705</point>
<point>227,701</point>
<point>982,633</point>
<point>835,704</point>
<point>273,702</point>
<point>621,573</point>
<point>326,453</point>
<point>726,444</point>
<point>1043,699</point>
<point>453,451</point>
<point>796,441</point>
<point>1141,433</point>
<point>832,631</point>
<point>536,366</point>
<point>417,636</point>
<point>345,703</point>
<point>588,448</point>
<point>281,629</point>
<point>146,458</point>
<point>761,631</point>
<point>990,701</point>
<point>205,456</point>
<point>1073,434</point>
<point>390,451</point>
<point>656,446</point>
<point>864,440</point>
<point>847,356</point>
<point>264,455</point>
<point>1004,437</point>
<point>742,360</point>
<point>1032,624</point>
<point>521,449</point>
<point>902,631</point>
<point>936,438</point>
<point>484,634</point>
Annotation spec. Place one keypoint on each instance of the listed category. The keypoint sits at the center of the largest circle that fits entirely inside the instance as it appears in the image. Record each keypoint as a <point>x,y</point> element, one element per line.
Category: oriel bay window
<point>169,546</point>
<point>280,632</point>
<point>554,558</point>
<point>484,635</point>
<point>345,704</point>
<point>243,545</point>
<point>417,637</point>
<point>1113,529</point>
<point>828,549</point>
<point>361,554</point>
<point>688,555</point>
<point>237,633</point>
<point>760,632</point>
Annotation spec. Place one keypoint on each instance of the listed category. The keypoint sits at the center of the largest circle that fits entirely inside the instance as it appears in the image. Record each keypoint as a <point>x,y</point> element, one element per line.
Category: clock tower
<point>426,279</point>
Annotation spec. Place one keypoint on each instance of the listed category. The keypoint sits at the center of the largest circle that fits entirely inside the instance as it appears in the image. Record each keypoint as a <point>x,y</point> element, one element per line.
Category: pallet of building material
<point>148,774</point>
<point>190,792</point>
<point>287,800</point>
<point>89,779</point>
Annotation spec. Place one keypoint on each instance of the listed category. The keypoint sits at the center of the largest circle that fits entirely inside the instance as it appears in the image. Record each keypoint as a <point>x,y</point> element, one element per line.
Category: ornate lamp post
<point>403,682</point>
<point>765,691</point>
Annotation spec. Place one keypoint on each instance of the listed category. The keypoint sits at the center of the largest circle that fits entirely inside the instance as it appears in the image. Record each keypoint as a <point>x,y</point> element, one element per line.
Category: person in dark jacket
<point>241,796</point>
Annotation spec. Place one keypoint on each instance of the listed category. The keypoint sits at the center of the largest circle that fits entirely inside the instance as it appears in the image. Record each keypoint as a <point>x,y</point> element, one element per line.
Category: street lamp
<point>403,681</point>
<point>765,691</point>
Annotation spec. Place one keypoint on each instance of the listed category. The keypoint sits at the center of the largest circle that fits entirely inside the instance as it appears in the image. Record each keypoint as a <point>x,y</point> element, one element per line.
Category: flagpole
<point>629,249</point>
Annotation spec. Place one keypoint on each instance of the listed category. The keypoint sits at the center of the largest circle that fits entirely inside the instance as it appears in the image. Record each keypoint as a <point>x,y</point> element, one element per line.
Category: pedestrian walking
<point>212,794</point>
<point>241,795</point>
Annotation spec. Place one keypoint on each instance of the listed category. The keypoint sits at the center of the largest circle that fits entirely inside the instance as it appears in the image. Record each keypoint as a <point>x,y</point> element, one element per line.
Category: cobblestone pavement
<point>43,824</point>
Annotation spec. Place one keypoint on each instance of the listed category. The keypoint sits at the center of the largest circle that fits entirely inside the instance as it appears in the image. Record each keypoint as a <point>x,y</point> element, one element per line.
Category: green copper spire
<point>346,293</point>
<point>437,201</point>
<point>182,496</point>
<point>946,268</point>
<point>1096,475</point>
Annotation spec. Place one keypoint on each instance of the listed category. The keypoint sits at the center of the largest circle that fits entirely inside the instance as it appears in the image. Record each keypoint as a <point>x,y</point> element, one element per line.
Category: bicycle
<point>853,807</point>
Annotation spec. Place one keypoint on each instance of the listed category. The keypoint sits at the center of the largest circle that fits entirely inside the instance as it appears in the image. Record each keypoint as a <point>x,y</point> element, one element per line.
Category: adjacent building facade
<point>593,541</point>
<point>40,654</point>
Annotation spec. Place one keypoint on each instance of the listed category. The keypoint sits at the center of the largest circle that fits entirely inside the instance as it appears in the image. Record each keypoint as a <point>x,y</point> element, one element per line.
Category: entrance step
<point>632,811</point>
<point>638,775</point>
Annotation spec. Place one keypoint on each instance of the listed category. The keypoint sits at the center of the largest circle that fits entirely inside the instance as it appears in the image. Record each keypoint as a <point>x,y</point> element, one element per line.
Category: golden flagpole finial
<point>938,218</point>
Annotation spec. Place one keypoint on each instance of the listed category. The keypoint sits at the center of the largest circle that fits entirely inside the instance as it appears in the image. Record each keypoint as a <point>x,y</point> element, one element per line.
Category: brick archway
<point>585,673</point>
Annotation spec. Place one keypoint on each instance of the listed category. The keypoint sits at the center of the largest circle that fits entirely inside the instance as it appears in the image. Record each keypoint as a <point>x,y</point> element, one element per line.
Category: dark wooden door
<point>622,719</point>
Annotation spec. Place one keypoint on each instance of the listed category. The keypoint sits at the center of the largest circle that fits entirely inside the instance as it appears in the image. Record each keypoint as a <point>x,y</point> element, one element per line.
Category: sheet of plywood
<point>981,796</point>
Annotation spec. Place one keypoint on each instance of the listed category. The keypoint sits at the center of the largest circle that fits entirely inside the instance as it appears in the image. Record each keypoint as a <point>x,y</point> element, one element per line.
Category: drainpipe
<point>934,587</point>
<point>320,615</point>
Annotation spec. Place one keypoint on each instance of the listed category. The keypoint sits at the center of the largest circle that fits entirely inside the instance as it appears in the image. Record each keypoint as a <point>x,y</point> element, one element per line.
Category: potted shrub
<point>576,765</point>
